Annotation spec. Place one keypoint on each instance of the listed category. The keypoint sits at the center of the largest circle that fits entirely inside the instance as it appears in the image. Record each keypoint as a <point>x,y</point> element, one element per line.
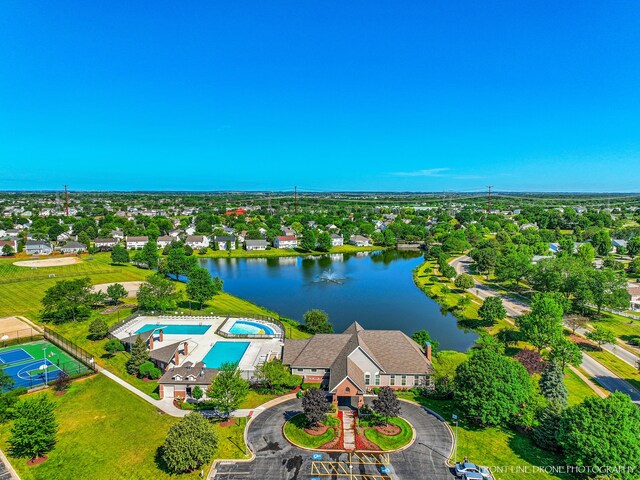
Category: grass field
<point>107,432</point>
<point>294,431</point>
<point>391,442</point>
<point>578,390</point>
<point>22,289</point>
<point>493,445</point>
<point>617,366</point>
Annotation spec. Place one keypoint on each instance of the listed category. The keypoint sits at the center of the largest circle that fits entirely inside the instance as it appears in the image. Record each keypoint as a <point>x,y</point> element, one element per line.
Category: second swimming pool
<point>223,352</point>
<point>176,329</point>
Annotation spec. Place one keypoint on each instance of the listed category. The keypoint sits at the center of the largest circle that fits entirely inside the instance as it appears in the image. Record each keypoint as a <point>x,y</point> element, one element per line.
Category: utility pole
<point>66,200</point>
<point>295,198</point>
<point>489,199</point>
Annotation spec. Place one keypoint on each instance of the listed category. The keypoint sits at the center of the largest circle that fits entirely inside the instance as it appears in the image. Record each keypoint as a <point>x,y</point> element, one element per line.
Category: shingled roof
<point>391,350</point>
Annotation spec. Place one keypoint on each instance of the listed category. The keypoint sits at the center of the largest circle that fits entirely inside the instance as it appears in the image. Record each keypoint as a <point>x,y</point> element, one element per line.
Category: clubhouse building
<point>354,362</point>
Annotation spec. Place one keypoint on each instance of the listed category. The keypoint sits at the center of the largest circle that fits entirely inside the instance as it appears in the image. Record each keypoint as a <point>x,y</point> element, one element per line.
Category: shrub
<point>98,329</point>
<point>149,370</point>
<point>62,382</point>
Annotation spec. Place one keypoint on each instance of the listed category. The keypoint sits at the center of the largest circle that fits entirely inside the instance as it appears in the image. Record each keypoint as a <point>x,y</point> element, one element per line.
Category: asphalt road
<point>277,459</point>
<point>605,377</point>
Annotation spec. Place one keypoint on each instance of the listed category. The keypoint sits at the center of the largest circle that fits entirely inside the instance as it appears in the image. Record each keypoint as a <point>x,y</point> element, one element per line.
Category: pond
<point>375,289</point>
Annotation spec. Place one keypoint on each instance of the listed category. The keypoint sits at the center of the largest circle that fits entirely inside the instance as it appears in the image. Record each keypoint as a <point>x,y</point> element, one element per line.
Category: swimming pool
<point>247,327</point>
<point>176,329</point>
<point>222,352</point>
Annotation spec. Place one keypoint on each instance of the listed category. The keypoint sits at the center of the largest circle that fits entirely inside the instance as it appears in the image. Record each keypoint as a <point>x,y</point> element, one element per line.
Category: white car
<point>471,468</point>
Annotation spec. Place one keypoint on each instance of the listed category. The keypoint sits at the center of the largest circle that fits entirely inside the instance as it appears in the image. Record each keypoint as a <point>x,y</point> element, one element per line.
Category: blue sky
<point>359,95</point>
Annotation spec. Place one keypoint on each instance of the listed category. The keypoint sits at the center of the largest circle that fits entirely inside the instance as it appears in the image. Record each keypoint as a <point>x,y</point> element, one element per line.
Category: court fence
<point>16,337</point>
<point>84,357</point>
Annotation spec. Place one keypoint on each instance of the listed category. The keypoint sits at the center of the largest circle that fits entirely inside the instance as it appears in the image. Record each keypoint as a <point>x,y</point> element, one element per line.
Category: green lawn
<point>621,368</point>
<point>282,252</point>
<point>623,327</point>
<point>493,445</point>
<point>294,431</point>
<point>578,390</point>
<point>255,399</point>
<point>391,442</point>
<point>107,432</point>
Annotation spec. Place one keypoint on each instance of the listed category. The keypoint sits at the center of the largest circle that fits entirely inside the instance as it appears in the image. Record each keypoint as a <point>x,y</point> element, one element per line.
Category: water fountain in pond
<point>329,276</point>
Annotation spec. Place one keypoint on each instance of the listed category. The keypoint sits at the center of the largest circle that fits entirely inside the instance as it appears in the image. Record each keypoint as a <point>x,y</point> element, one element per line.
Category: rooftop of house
<point>188,373</point>
<point>142,238</point>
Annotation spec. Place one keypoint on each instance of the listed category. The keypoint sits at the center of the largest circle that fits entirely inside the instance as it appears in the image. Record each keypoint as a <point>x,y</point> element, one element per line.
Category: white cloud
<point>429,172</point>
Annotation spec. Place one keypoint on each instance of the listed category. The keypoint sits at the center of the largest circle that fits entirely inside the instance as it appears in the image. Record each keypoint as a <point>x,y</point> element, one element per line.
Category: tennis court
<point>31,364</point>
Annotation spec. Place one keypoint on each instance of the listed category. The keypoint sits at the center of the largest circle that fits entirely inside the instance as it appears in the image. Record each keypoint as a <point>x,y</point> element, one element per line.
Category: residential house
<point>73,247</point>
<point>190,230</point>
<point>336,240</point>
<point>136,243</point>
<point>554,247</point>
<point>179,382</point>
<point>12,233</point>
<point>117,234</point>
<point>617,243</point>
<point>38,247</point>
<point>285,241</point>
<point>538,258</point>
<point>634,291</point>
<point>11,243</point>
<point>287,231</point>
<point>527,226</point>
<point>359,241</point>
<point>250,245</point>
<point>165,240</point>
<point>225,242</point>
<point>105,244</point>
<point>198,241</point>
<point>350,364</point>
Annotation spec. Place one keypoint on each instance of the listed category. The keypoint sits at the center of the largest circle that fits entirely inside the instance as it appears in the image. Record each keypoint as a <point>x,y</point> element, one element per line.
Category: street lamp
<point>130,335</point>
<point>454,417</point>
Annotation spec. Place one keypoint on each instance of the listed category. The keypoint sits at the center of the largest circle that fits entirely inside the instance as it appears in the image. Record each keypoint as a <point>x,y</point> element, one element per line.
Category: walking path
<point>348,425</point>
<point>594,369</point>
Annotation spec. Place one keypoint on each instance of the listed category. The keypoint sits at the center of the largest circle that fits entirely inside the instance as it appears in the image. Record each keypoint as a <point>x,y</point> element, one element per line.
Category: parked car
<point>471,468</point>
<point>472,476</point>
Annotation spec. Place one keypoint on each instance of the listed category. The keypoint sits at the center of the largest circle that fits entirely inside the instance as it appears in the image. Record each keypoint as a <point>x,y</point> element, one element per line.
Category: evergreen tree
<point>98,329</point>
<point>139,355</point>
<point>386,404</point>
<point>546,433</point>
<point>190,444</point>
<point>34,427</point>
<point>552,384</point>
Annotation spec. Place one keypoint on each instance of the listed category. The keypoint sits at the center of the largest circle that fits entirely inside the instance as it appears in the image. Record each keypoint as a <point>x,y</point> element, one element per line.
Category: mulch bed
<point>583,343</point>
<point>388,430</point>
<point>363,443</point>
<point>228,423</point>
<point>37,461</point>
<point>317,430</point>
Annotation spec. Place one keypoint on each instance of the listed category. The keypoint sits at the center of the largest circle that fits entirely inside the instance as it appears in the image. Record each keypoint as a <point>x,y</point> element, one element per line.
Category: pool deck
<point>199,345</point>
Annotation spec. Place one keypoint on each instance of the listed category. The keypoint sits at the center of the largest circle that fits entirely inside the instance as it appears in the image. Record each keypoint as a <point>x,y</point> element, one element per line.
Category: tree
<point>68,299</point>
<point>464,281</point>
<point>602,336</point>
<point>275,376</point>
<point>633,246</point>
<point>586,253</point>
<point>6,381</point>
<point>531,360</point>
<point>546,433</point>
<point>228,389</point>
<point>448,271</point>
<point>609,289</point>
<point>492,388</point>
<point>422,337</point>
<point>149,370</point>
<point>139,355</point>
<point>34,427</point>
<point>601,241</point>
<point>463,302</point>
<point>309,239</point>
<point>7,250</point>
<point>491,310</point>
<point>149,255</point>
<point>575,321</point>
<point>113,346</point>
<point>315,406</point>
<point>386,404</point>
<point>98,329</point>
<point>157,293</point>
<point>389,238</point>
<point>61,382</point>
<point>190,444</point>
<point>542,326</point>
<point>178,263</point>
<point>564,352</point>
<point>486,259</point>
<point>513,266</point>
<point>552,384</point>
<point>200,286</point>
<point>119,255</point>
<point>116,292</point>
<point>584,427</point>
<point>324,242</point>
<point>317,321</point>
<point>197,392</point>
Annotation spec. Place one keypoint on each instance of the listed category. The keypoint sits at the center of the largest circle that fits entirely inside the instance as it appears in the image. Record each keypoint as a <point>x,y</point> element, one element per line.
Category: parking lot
<point>278,459</point>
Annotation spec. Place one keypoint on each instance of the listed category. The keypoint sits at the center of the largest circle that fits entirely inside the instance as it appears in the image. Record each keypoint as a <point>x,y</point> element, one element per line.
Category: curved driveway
<point>278,459</point>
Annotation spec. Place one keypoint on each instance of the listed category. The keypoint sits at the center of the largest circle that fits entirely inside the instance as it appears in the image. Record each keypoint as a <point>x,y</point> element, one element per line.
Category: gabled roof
<point>203,375</point>
<point>144,335</point>
<point>165,354</point>
<point>137,239</point>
